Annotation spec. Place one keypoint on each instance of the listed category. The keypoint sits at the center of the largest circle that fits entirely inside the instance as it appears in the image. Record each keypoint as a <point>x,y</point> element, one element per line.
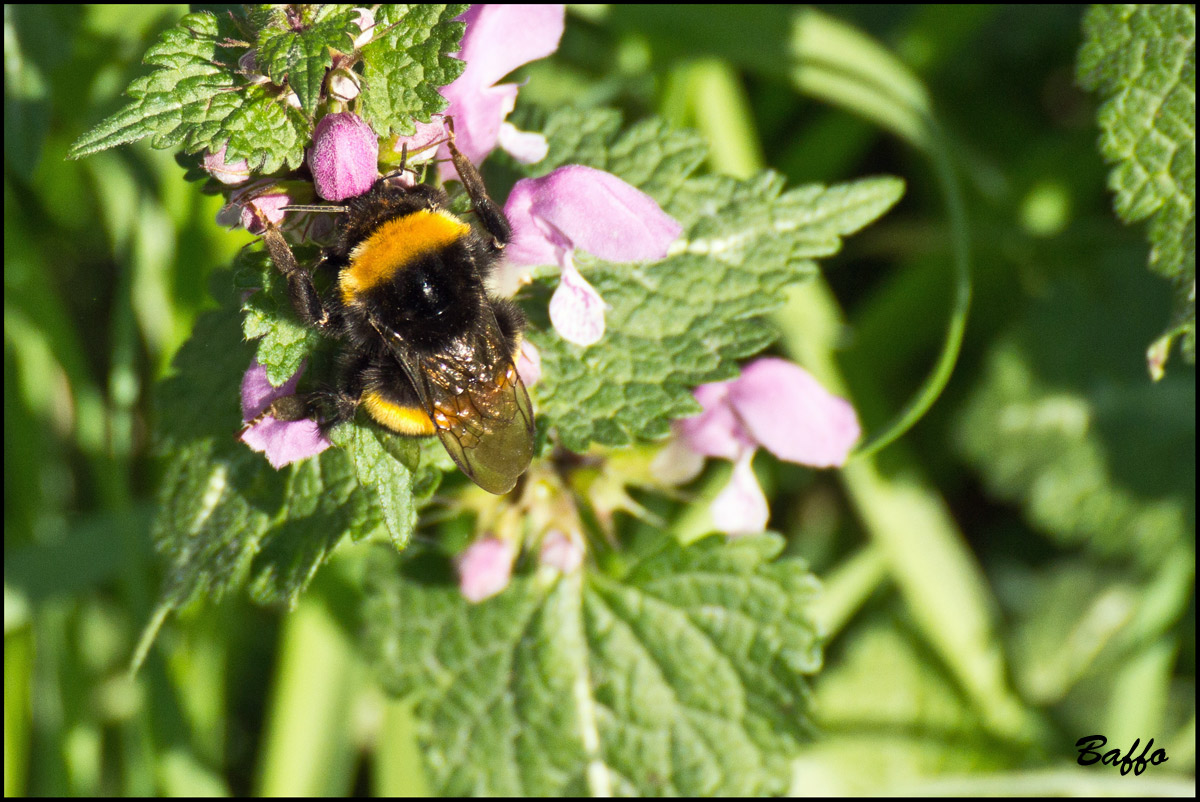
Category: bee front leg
<point>305,300</point>
<point>490,215</point>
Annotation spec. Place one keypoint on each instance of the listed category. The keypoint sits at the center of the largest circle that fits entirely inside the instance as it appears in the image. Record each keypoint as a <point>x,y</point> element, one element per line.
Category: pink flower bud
<point>344,157</point>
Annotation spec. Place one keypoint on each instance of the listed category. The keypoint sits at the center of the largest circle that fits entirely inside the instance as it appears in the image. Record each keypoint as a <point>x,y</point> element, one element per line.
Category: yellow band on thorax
<point>396,244</point>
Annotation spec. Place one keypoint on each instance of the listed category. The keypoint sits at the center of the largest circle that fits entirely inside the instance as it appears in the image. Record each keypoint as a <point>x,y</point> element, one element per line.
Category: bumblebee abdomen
<point>395,245</point>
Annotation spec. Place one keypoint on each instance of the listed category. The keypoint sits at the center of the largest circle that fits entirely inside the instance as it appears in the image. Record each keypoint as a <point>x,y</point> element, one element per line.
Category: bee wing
<point>478,404</point>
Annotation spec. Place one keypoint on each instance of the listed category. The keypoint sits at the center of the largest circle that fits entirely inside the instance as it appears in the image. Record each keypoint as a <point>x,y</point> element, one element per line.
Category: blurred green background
<point>1066,475</point>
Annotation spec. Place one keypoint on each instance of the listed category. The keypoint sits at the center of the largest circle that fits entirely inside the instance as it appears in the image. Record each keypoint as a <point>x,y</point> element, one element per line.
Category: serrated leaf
<point>300,53</point>
<point>226,518</point>
<point>215,502</point>
<point>1142,61</point>
<point>685,320</point>
<point>388,464</point>
<point>268,133</point>
<point>405,64</point>
<point>323,503</point>
<point>1064,423</point>
<point>197,99</point>
<point>685,677</point>
<point>188,89</point>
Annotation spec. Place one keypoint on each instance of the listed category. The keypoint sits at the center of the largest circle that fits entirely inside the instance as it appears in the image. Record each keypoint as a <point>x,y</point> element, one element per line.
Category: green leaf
<point>323,503</point>
<point>226,518</point>
<point>684,677</point>
<point>390,465</point>
<point>300,50</point>
<point>185,95</point>
<point>215,501</point>
<point>687,319</point>
<point>889,698</point>
<point>1142,61</point>
<point>403,67</point>
<point>1064,423</point>
<point>1064,615</point>
<point>197,98</point>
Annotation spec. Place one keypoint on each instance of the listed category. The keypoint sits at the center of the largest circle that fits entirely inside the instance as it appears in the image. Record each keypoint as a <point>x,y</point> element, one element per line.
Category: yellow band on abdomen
<point>411,421</point>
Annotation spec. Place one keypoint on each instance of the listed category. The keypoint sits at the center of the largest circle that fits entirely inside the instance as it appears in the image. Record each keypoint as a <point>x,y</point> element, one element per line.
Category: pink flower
<point>420,144</point>
<point>561,551</point>
<point>252,204</point>
<point>774,404</point>
<point>529,363</point>
<point>485,568</point>
<point>227,172</point>
<point>594,211</point>
<point>741,508</point>
<point>499,38</point>
<point>284,442</point>
<point>344,157</point>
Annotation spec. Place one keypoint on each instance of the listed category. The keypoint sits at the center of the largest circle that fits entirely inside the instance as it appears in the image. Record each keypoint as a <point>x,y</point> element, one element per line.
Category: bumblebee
<point>423,347</point>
